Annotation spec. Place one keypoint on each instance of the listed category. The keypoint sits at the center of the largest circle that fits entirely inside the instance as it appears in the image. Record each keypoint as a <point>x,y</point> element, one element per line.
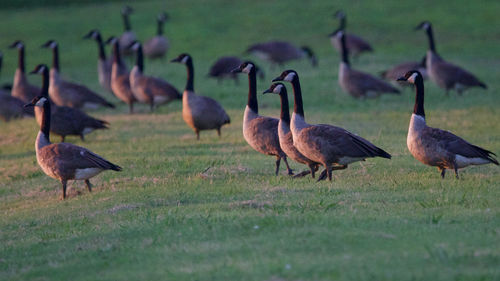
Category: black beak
<point>176,60</point>
<point>267,91</point>
<point>13,45</point>
<point>236,70</point>
<point>28,105</point>
<point>87,36</point>
<point>33,72</point>
<point>401,79</point>
<point>277,79</point>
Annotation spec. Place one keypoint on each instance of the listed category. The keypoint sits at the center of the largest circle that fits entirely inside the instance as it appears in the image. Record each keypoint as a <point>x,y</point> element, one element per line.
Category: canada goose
<point>355,44</point>
<point>397,71</point>
<point>120,76</point>
<point>444,74</point>
<point>66,120</point>
<point>285,134</point>
<point>147,89</point>
<point>21,88</point>
<point>359,84</point>
<point>128,36</point>
<point>436,147</point>
<point>199,112</point>
<point>103,63</point>
<point>279,52</point>
<point>64,161</point>
<point>260,132</point>
<point>64,93</point>
<point>157,46</point>
<point>223,67</point>
<point>323,143</point>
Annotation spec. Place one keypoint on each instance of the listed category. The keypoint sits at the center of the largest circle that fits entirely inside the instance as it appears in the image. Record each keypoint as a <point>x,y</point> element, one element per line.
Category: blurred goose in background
<point>63,161</point>
<point>128,36</point>
<point>120,76</point>
<point>147,89</point>
<point>199,112</point>
<point>223,67</point>
<point>325,144</point>
<point>21,88</point>
<point>11,107</point>
<point>436,147</point>
<point>279,52</point>
<point>444,74</point>
<point>157,46</point>
<point>401,69</point>
<point>260,132</point>
<point>355,44</point>
<point>356,83</point>
<point>64,93</point>
<point>103,63</point>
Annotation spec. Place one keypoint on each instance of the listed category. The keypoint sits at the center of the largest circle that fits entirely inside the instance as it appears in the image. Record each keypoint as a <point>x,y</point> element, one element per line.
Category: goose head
<point>50,44</point>
<point>134,46</point>
<point>287,75</point>
<point>162,17</point>
<point>127,10</point>
<point>276,88</point>
<point>245,67</point>
<point>412,77</point>
<point>182,58</point>
<point>17,44</point>
<point>425,25</point>
<point>111,40</point>
<point>94,34</point>
<point>37,101</point>
<point>339,14</point>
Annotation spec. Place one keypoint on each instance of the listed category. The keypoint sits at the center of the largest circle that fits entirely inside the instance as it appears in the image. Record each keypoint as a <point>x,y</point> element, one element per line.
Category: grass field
<point>212,209</point>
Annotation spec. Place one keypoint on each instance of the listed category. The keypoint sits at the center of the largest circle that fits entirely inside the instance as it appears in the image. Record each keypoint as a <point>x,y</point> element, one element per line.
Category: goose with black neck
<point>356,44</point>
<point>103,63</point>
<point>157,46</point>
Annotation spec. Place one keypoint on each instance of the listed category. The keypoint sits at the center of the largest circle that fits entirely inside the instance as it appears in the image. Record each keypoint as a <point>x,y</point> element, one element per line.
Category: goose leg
<point>197,134</point>
<point>152,106</point>
<point>290,171</point>
<point>456,170</point>
<point>329,172</point>
<point>322,176</point>
<point>302,174</point>
<point>278,159</point>
<point>64,183</point>
<point>82,137</point>
<point>62,138</point>
<point>131,108</point>
<point>89,185</point>
<point>443,171</point>
<point>218,132</point>
<point>313,169</point>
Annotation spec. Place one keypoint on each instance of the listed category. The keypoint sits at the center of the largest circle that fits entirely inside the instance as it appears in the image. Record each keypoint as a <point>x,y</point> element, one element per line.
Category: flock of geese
<point>58,105</point>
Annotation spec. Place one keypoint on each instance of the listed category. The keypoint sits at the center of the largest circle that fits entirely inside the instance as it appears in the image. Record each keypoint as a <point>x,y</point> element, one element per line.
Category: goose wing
<point>367,82</point>
<point>356,42</point>
<point>159,87</point>
<point>85,93</point>
<point>452,74</point>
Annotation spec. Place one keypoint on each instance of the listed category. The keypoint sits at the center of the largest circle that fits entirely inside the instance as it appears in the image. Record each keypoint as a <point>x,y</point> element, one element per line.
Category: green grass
<point>183,209</point>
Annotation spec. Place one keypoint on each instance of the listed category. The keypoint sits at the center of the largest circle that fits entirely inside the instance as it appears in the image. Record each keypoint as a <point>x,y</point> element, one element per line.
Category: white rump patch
<point>160,99</point>
<point>87,173</point>
<point>348,160</point>
<point>87,130</point>
<point>463,161</point>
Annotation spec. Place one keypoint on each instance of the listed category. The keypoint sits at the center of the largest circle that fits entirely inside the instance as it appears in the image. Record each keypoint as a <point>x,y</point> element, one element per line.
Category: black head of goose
<point>21,88</point>
<point>66,120</point>
<point>356,44</point>
<point>157,46</point>
<point>325,144</point>
<point>436,147</point>
<point>199,112</point>
<point>279,52</point>
<point>147,89</point>
<point>260,132</point>
<point>356,83</point>
<point>64,93</point>
<point>285,134</point>
<point>128,36</point>
<point>120,76</point>
<point>64,161</point>
<point>444,74</point>
<point>103,63</point>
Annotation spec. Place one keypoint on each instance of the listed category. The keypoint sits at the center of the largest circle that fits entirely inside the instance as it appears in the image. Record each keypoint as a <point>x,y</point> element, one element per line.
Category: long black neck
<point>116,53</point>
<point>160,28</point>
<point>126,22</point>
<point>140,59</point>
<point>55,58</point>
<point>342,23</point>
<point>418,109</point>
<point>298,108</point>
<point>20,64</point>
<point>45,83</point>
<point>285,114</point>
<point>190,75</point>
<point>252,91</point>
<point>100,44</point>
<point>345,52</point>
<point>430,34</point>
<point>45,124</point>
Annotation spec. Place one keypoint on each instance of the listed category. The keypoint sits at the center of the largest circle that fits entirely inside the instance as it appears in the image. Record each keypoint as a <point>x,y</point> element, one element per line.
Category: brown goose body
<point>223,66</point>
<point>11,107</point>
<point>21,88</point>
<point>200,112</point>
<point>279,52</point>
<point>157,46</point>
<point>326,144</point>
<point>128,36</point>
<point>120,77</point>
<point>436,147</point>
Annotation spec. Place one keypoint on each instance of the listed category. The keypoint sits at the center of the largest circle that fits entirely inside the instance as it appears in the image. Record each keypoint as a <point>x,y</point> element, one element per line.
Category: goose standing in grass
<point>444,74</point>
<point>64,161</point>
<point>325,144</point>
<point>157,46</point>
<point>64,93</point>
<point>65,120</point>
<point>401,69</point>
<point>128,36</point>
<point>285,134</point>
<point>260,132</point>
<point>147,89</point>
<point>356,83</point>
<point>199,112</point>
<point>120,76</point>
<point>21,88</point>
<point>436,147</point>
<point>103,63</point>
<point>355,44</point>
<point>279,52</point>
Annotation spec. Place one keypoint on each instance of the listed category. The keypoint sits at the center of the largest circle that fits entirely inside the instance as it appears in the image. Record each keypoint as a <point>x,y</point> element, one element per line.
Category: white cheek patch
<point>41,101</point>
<point>290,76</point>
<point>53,44</point>
<point>340,34</point>
<point>426,25</point>
<point>412,78</point>
<point>277,89</point>
<point>185,59</point>
<point>248,68</point>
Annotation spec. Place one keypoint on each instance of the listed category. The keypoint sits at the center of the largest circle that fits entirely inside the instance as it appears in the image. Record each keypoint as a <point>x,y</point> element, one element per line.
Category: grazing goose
<point>128,36</point>
<point>199,112</point>
<point>444,74</point>
<point>65,120</point>
<point>157,46</point>
<point>285,134</point>
<point>147,89</point>
<point>260,132</point>
<point>103,63</point>
<point>359,84</point>
<point>436,147</point>
<point>323,143</point>
<point>64,93</point>
<point>64,161</point>
<point>355,44</point>
<point>279,52</point>
<point>120,76</point>
<point>223,67</point>
<point>399,70</point>
<point>21,88</point>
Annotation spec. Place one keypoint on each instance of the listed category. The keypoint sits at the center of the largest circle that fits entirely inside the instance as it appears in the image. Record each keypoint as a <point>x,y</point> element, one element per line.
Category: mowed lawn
<point>212,209</point>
